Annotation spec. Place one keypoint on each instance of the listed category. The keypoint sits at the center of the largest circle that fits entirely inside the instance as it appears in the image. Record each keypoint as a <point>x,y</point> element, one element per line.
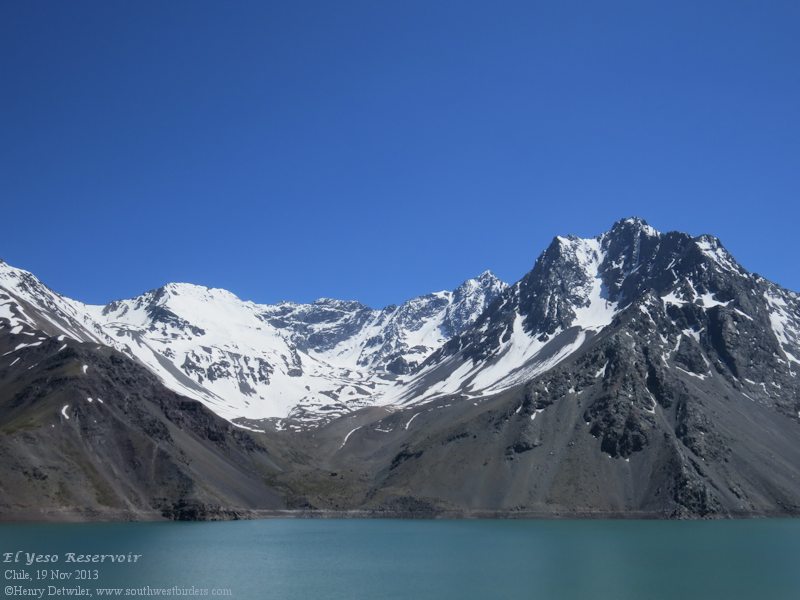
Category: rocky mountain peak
<point>564,278</point>
<point>487,283</point>
<point>633,225</point>
<point>488,276</point>
<point>469,301</point>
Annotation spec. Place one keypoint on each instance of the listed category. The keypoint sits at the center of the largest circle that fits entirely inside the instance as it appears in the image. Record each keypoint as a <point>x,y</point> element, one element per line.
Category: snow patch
<point>785,322</point>
<point>411,419</point>
<point>239,425</point>
<point>673,299</point>
<point>347,437</point>
<point>707,301</point>
<point>21,346</point>
<point>598,312</point>
<point>691,333</point>
<point>706,376</point>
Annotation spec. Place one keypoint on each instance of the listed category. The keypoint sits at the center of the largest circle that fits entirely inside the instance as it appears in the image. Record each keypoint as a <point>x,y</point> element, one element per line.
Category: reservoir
<point>291,559</point>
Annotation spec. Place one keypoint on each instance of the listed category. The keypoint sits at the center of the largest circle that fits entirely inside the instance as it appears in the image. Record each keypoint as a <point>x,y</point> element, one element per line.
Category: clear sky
<point>380,150</point>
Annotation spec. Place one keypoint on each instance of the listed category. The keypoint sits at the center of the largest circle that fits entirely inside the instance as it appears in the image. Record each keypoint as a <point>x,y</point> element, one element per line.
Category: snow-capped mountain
<point>635,372</point>
<point>308,363</point>
<point>704,303</point>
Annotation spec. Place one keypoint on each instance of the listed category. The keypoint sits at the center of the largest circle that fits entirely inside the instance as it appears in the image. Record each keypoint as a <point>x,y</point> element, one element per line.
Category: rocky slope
<point>87,433</point>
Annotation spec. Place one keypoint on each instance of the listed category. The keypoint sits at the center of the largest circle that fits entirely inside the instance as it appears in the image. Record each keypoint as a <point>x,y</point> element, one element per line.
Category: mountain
<point>633,373</point>
<point>691,287</point>
<point>294,364</point>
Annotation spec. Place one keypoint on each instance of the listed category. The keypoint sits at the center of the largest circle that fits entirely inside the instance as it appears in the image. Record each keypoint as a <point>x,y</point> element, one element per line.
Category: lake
<point>316,559</point>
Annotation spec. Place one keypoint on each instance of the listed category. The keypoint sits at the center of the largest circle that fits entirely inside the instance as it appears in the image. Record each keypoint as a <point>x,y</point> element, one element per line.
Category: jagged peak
<point>584,250</point>
<point>486,285</point>
<point>20,277</point>
<point>191,290</point>
<point>565,240</point>
<point>12,269</point>
<point>706,239</point>
<point>637,224</point>
<point>487,275</point>
<point>712,248</point>
<point>626,225</point>
<point>486,278</point>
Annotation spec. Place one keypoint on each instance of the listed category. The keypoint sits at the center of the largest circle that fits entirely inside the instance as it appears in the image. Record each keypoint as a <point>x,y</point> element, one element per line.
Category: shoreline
<point>73,515</point>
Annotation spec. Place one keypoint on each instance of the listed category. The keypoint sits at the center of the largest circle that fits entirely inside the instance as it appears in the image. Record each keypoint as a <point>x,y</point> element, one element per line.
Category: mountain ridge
<point>393,331</point>
<point>636,372</point>
<point>355,356</point>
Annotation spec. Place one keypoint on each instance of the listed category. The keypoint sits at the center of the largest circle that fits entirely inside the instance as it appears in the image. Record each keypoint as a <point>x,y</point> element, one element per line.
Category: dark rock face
<point>618,428</point>
<point>342,320</point>
<point>87,433</point>
<point>551,291</point>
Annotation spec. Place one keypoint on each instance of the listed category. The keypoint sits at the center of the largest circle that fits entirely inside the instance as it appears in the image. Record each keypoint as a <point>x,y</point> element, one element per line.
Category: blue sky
<point>380,150</point>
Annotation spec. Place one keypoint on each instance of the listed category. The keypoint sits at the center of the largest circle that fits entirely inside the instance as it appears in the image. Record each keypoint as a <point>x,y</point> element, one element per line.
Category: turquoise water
<point>311,559</point>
